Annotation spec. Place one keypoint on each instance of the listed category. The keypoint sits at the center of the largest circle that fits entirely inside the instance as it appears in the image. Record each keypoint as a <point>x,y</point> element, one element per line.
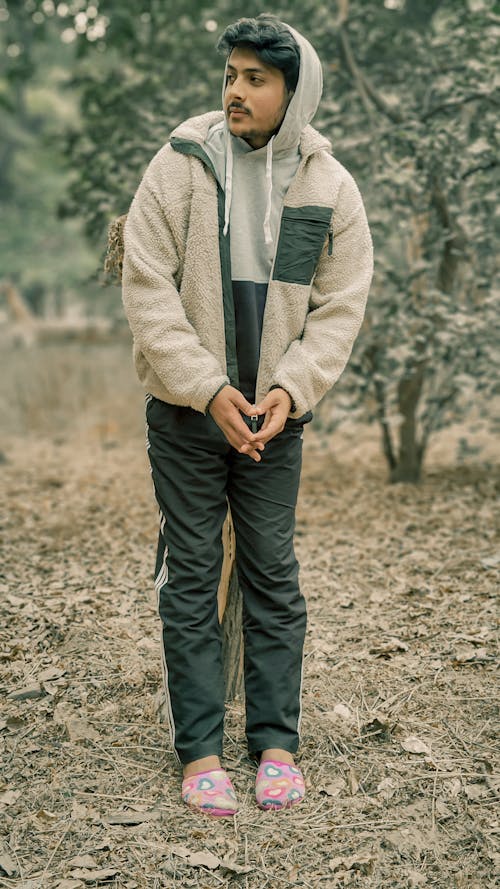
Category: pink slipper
<point>210,793</point>
<point>278,785</point>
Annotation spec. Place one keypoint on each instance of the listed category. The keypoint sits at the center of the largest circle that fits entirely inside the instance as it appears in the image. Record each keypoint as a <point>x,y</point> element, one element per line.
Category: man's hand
<point>225,410</point>
<point>276,406</point>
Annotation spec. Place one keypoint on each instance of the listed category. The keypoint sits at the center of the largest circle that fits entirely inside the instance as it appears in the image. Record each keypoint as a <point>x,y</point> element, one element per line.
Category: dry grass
<point>400,583</point>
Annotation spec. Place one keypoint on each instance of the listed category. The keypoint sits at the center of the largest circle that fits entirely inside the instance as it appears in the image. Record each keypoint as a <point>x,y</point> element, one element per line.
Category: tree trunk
<point>454,248</point>
<point>232,640</point>
<point>230,616</point>
<point>409,464</point>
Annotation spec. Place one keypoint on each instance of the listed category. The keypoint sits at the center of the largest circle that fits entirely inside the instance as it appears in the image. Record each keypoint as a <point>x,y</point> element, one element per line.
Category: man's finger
<point>228,398</point>
<point>255,455</point>
<point>247,447</point>
<point>265,405</point>
<point>234,437</point>
<point>267,420</point>
<point>239,400</point>
<point>240,429</point>
<point>275,425</point>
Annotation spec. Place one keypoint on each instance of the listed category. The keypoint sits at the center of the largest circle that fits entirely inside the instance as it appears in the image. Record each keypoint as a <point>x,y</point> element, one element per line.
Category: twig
<point>49,862</point>
<point>135,765</point>
<point>369,825</point>
<point>274,877</point>
<point>487,780</point>
<point>433,807</point>
<point>475,742</point>
<point>88,795</point>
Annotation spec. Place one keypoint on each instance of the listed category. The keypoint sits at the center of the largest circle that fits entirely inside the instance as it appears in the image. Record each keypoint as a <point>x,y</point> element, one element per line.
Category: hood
<point>306,98</point>
<point>304,102</point>
<point>300,111</point>
<point>293,135</point>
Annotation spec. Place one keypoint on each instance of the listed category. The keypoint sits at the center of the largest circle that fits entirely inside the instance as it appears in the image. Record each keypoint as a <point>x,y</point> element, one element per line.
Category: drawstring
<point>229,187</point>
<point>229,181</point>
<point>269,181</point>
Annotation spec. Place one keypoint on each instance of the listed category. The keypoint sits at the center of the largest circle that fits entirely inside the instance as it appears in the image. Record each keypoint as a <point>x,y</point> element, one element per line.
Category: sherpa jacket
<point>177,276</point>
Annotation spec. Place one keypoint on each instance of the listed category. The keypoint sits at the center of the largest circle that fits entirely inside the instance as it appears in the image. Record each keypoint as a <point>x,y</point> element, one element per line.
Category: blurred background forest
<point>89,91</point>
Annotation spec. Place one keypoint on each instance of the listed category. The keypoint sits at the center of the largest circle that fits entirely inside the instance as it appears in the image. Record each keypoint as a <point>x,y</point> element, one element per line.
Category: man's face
<point>255,99</point>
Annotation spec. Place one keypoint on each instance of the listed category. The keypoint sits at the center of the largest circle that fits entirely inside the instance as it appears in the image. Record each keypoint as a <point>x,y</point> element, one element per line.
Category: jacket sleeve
<point>153,306</point>
<point>312,364</point>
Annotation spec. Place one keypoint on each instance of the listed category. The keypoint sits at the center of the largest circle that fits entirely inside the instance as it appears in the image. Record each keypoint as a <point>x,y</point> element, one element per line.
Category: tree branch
<point>454,245</point>
<point>343,6</point>
<point>457,103</point>
<point>479,168</point>
<point>365,88</point>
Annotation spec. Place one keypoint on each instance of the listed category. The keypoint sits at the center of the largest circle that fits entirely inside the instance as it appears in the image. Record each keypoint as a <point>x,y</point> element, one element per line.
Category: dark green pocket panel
<point>302,235</point>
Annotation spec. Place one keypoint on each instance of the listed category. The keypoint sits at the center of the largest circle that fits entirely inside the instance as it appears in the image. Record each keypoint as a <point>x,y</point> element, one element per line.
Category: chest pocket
<point>302,235</point>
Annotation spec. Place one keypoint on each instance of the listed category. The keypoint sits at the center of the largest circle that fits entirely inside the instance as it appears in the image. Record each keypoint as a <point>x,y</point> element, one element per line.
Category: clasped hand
<point>225,410</point>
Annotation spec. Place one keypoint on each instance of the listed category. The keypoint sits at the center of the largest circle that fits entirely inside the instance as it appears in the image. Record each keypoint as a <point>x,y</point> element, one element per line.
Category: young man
<point>248,261</point>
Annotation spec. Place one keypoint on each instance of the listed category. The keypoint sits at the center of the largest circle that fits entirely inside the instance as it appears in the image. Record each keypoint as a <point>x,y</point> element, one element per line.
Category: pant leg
<point>263,497</point>
<point>187,455</point>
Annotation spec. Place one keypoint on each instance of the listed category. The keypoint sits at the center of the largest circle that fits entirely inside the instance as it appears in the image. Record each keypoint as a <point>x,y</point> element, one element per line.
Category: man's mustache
<point>237,107</point>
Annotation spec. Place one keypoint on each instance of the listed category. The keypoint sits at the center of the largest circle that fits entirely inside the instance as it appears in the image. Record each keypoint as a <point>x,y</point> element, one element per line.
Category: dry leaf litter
<point>399,707</point>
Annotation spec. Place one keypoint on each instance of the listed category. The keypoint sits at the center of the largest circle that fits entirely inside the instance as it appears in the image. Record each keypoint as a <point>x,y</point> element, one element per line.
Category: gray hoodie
<point>255,182</point>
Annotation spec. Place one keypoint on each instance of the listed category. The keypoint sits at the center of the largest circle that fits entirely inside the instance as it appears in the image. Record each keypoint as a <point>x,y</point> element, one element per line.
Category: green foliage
<point>411,107</point>
<point>155,65</point>
<point>48,260</point>
<point>423,108</point>
<point>157,68</point>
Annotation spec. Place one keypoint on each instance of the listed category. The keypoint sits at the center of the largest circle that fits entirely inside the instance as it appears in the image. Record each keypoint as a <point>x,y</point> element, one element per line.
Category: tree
<point>35,107</point>
<point>137,80</point>
<point>410,107</point>
<point>420,99</point>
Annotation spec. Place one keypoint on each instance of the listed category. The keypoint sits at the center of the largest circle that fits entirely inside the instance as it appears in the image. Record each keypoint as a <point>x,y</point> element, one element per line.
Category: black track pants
<point>195,474</point>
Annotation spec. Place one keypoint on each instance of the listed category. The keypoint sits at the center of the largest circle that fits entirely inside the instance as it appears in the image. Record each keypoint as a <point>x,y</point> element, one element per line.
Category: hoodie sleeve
<point>153,305</point>
<point>313,364</point>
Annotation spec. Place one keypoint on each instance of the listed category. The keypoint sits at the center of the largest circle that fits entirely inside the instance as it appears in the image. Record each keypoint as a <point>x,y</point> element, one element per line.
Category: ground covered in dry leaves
<point>399,721</point>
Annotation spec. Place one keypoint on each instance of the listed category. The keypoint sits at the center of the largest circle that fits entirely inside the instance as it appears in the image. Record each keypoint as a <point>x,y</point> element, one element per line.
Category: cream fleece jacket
<point>172,280</point>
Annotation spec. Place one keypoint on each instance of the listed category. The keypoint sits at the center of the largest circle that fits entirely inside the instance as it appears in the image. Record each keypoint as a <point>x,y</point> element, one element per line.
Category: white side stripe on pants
<point>299,720</point>
<point>161,579</point>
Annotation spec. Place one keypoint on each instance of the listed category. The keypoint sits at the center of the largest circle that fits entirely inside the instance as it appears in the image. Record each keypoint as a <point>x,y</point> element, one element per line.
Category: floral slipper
<point>278,785</point>
<point>211,793</point>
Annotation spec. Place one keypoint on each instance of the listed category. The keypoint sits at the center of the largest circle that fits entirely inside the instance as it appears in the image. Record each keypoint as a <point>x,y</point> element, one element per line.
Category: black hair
<point>270,39</point>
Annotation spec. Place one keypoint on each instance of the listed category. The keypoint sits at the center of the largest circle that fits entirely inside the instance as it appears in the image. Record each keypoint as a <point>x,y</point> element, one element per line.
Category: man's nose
<point>236,90</point>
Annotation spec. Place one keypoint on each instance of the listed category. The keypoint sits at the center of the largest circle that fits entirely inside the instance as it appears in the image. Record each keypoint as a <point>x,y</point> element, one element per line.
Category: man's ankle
<point>206,764</point>
<point>277,754</point>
